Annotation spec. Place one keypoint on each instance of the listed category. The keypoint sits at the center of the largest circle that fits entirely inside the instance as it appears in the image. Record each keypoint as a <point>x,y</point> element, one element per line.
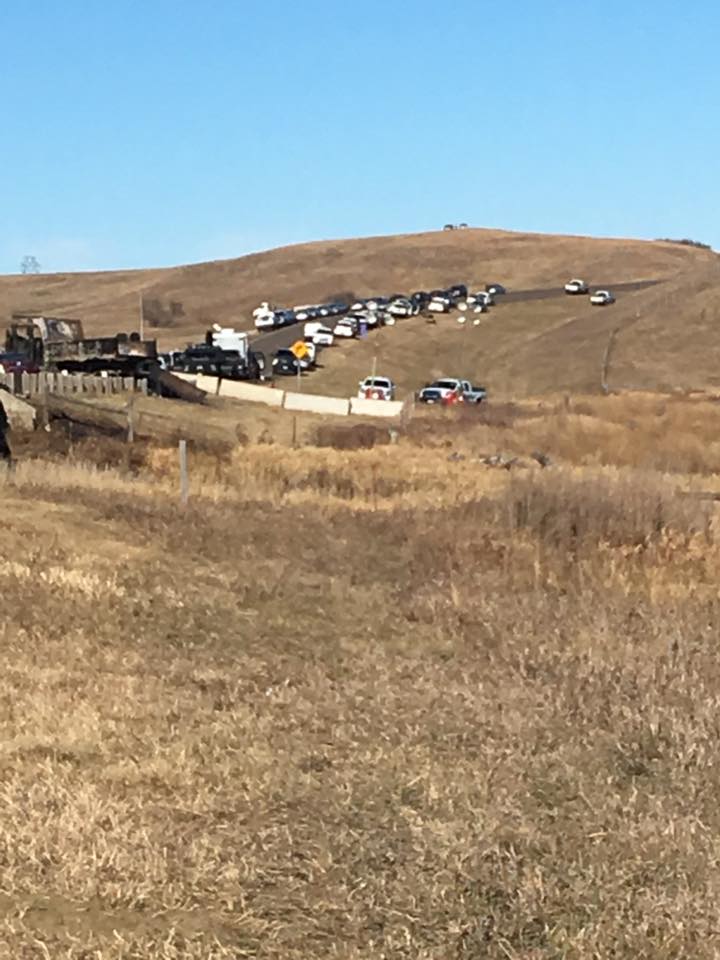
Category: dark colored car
<point>286,353</point>
<point>285,364</point>
<point>377,303</point>
<point>457,292</point>
<point>496,289</point>
<point>430,395</point>
<point>17,363</point>
<point>421,297</point>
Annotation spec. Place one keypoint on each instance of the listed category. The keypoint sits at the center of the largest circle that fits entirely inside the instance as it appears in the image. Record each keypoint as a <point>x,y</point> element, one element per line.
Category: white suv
<point>576,286</point>
<point>376,388</point>
<point>602,298</point>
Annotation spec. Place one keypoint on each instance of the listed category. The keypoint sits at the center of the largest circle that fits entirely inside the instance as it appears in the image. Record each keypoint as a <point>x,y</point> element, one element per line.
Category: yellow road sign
<point>299,348</point>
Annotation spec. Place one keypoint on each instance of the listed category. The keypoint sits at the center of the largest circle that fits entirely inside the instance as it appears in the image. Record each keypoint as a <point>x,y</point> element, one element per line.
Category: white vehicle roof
<point>377,381</point>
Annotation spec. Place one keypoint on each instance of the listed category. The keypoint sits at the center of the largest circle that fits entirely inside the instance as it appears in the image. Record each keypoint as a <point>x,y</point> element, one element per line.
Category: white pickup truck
<point>376,388</point>
<point>449,390</point>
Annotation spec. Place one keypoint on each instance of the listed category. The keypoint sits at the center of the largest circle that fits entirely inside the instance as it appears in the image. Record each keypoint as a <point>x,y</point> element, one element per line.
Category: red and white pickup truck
<point>376,388</point>
<point>449,390</point>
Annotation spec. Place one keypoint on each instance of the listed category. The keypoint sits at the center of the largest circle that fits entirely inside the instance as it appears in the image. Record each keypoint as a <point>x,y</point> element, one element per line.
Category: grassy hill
<point>667,338</point>
<point>668,331</point>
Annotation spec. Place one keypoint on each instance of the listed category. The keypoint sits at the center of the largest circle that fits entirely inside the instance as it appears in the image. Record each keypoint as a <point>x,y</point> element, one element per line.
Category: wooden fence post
<point>45,409</point>
<point>131,419</point>
<point>184,487</point>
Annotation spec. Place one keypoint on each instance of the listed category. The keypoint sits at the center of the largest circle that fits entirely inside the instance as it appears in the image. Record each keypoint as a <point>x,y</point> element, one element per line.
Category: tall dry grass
<point>360,704</point>
<point>644,431</point>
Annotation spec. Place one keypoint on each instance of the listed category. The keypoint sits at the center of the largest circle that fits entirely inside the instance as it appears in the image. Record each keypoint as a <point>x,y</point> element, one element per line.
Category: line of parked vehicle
<point>230,353</point>
<point>374,309</point>
<point>445,391</point>
<point>600,298</point>
<point>324,323</point>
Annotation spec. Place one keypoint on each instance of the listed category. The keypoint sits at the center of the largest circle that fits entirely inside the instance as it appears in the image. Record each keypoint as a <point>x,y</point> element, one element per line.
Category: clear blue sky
<point>167,131</point>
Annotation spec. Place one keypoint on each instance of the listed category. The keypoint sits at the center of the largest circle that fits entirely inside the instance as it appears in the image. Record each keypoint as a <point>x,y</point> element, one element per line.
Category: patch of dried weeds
<point>359,703</point>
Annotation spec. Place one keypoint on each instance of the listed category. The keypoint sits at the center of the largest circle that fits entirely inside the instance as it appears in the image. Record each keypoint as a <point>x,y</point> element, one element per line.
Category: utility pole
<point>142,317</point>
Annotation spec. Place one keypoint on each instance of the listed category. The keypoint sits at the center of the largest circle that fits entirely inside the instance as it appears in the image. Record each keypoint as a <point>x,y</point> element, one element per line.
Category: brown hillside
<point>226,291</point>
<point>667,338</point>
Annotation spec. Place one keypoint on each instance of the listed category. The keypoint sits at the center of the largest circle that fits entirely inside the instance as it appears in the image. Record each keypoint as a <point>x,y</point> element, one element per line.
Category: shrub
<point>359,436</point>
<point>158,314</point>
<point>686,242</point>
<point>570,512</point>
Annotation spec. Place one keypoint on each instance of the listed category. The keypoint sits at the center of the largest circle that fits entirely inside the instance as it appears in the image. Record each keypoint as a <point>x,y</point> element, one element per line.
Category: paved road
<point>548,292</point>
<point>268,343</point>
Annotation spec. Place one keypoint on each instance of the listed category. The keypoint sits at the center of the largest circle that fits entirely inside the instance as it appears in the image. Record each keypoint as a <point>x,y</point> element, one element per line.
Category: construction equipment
<point>59,343</point>
<point>251,362</point>
<point>225,353</point>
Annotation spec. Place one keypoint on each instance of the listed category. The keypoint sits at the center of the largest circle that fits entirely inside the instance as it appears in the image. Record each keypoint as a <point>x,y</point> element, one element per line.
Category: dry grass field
<point>228,290</point>
<point>367,703</point>
<point>667,334</point>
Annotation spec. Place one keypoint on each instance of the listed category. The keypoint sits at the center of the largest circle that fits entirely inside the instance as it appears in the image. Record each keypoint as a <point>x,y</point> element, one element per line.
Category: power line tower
<point>29,265</point>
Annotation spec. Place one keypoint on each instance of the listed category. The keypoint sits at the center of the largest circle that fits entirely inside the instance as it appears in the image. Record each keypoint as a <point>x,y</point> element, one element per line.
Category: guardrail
<point>289,400</point>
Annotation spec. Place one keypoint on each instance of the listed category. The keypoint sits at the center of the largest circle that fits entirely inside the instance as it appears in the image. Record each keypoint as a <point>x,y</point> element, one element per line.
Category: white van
<point>319,334</point>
